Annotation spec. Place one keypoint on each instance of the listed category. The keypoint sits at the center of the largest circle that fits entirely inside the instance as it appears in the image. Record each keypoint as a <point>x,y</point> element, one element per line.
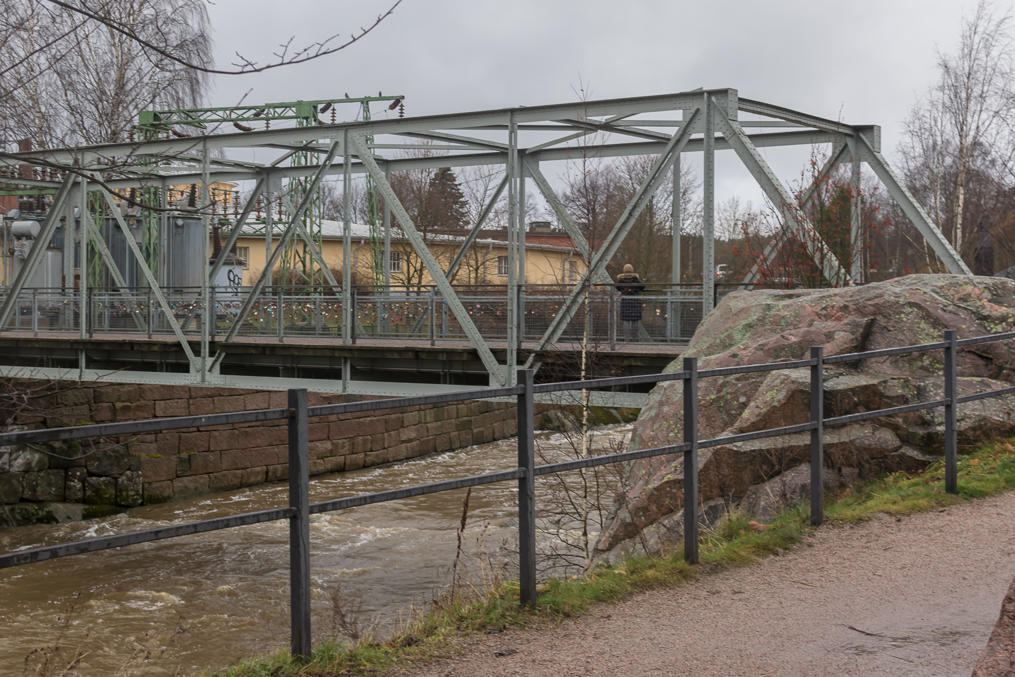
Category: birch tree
<point>962,130</point>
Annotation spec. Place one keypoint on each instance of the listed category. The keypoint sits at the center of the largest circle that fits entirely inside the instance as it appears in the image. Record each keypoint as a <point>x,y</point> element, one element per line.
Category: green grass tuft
<point>989,470</point>
<point>735,541</point>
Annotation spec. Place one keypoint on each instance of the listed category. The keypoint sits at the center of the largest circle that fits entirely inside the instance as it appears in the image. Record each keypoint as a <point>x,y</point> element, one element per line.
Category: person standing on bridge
<point>630,285</point>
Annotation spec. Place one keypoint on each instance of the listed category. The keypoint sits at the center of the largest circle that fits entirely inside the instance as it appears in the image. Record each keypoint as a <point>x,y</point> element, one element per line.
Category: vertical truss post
<point>387,237</point>
<point>676,232</point>
<point>857,244</point>
<point>677,225</point>
<point>512,247</point>
<point>268,235</point>
<point>67,282</point>
<point>495,370</point>
<point>82,226</point>
<point>520,317</point>
<point>163,233</point>
<point>348,312</point>
<point>708,211</point>
<point>382,309</point>
<point>942,248</point>
<point>208,312</point>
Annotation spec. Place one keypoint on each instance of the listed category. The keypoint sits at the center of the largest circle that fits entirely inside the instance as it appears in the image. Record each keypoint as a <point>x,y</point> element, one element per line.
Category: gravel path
<point>916,595</point>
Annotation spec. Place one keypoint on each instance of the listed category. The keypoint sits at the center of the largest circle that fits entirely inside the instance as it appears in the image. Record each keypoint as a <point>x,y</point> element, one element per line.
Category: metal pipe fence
<point>670,312</point>
<point>298,413</point>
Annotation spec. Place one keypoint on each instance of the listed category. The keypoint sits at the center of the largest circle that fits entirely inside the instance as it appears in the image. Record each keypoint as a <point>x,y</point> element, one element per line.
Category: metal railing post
<point>612,296</point>
<point>678,315</point>
<point>526,492</point>
<point>521,313</point>
<point>817,436</point>
<point>669,316</point>
<point>299,525</point>
<point>691,461</point>
<point>279,316</point>
<point>352,316</point>
<point>444,318</point>
<point>951,415</point>
<point>213,313</point>
<point>35,312</point>
<point>432,303</point>
<point>86,312</point>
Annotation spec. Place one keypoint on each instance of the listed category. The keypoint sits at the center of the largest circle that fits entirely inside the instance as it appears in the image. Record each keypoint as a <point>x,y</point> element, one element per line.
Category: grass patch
<point>735,541</point>
<point>989,470</point>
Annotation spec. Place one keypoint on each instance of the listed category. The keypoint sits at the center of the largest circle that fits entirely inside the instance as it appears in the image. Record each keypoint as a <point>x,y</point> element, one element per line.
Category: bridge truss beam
<point>520,142</point>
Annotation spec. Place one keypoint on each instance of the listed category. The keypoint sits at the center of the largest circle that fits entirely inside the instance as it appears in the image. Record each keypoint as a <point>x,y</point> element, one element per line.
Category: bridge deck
<point>369,366</point>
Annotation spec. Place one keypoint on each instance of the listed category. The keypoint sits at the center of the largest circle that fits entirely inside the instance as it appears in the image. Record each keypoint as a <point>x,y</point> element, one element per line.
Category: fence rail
<point>299,413</point>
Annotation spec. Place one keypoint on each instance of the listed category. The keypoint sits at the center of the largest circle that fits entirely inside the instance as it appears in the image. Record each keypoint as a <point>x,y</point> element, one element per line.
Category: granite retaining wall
<point>60,481</point>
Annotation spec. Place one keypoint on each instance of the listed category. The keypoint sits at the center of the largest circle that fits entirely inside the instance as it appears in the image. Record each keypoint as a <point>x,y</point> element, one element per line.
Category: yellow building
<point>550,258</point>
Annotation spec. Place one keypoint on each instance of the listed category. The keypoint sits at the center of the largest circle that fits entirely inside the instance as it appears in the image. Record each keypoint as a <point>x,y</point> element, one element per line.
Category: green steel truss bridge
<point>518,142</point>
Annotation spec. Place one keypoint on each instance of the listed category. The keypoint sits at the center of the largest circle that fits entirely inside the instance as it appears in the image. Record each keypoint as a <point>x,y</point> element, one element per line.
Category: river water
<point>205,601</point>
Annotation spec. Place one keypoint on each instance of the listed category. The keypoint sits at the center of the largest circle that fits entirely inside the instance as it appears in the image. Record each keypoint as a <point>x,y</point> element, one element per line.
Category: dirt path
<point>911,596</point>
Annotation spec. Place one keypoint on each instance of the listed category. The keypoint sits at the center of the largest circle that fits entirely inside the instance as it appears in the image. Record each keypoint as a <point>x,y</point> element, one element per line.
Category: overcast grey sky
<point>861,61</point>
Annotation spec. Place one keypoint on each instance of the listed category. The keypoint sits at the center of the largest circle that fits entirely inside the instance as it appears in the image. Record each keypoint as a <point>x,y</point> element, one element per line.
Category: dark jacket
<point>630,285</point>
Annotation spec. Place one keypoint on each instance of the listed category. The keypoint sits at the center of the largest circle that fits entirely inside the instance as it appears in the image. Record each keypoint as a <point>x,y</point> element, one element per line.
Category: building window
<point>572,271</point>
<point>395,263</point>
<point>502,265</point>
<point>243,254</point>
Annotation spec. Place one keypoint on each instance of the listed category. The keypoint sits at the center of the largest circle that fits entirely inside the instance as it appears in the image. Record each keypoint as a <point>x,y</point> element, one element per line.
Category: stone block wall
<point>58,481</point>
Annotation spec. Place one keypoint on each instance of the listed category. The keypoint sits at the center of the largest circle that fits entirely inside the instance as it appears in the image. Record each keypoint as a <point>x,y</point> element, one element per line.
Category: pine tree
<point>445,208</point>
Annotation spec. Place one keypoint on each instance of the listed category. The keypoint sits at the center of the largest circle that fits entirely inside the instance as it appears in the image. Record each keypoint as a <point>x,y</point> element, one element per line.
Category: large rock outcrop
<point>769,326</point>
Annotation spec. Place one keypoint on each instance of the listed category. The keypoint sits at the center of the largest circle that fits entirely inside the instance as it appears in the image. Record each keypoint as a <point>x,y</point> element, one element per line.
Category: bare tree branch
<point>244,66</point>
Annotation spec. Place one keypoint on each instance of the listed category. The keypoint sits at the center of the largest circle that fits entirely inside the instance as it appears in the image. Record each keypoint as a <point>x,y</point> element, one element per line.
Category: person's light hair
<point>628,268</point>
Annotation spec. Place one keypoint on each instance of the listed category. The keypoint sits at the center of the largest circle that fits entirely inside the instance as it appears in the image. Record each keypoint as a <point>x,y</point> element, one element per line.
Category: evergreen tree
<point>445,207</point>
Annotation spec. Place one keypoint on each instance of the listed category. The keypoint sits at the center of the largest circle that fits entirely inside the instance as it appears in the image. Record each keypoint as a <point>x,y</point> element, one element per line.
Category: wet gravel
<point>916,595</point>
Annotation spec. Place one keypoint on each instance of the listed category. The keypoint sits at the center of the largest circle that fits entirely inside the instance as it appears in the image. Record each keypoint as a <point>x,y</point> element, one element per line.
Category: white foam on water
<point>150,600</point>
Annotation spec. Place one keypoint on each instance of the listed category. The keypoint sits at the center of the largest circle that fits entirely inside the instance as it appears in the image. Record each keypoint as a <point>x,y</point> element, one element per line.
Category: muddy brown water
<point>205,601</point>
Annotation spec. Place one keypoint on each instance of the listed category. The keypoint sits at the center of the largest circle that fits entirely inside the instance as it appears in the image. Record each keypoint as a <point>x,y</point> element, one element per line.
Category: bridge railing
<point>669,313</point>
<point>298,414</point>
